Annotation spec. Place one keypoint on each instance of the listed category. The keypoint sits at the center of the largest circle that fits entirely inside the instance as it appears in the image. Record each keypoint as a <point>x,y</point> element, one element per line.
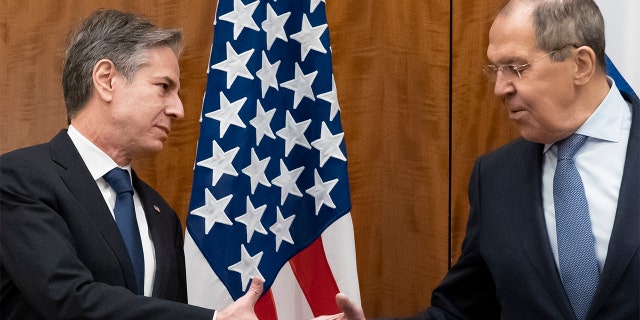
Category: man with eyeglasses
<point>554,227</point>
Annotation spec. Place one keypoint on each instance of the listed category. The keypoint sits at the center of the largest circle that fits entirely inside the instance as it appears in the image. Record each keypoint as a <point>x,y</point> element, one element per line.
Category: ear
<point>103,76</point>
<point>585,68</point>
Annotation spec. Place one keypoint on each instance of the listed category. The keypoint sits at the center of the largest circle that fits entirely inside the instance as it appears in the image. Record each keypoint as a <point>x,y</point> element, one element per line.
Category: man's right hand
<point>350,311</point>
<point>242,309</point>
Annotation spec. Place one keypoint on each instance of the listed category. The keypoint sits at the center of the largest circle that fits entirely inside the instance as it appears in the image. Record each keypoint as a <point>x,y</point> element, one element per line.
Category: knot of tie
<point>119,180</point>
<point>568,147</point>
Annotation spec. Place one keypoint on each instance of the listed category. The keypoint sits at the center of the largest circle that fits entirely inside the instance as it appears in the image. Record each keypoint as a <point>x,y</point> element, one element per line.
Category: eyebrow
<point>510,60</point>
<point>170,80</point>
<point>172,83</point>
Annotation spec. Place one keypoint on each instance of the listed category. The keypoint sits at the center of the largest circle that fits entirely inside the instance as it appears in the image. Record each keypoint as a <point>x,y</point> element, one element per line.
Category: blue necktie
<point>126,220</point>
<point>576,244</point>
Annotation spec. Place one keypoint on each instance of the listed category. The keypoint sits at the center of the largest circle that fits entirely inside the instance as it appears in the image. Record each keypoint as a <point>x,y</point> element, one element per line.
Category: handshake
<point>350,311</point>
<point>242,309</point>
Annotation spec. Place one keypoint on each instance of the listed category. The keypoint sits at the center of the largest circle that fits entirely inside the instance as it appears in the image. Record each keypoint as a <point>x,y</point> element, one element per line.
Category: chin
<point>157,148</point>
<point>537,138</point>
<point>151,150</point>
<point>530,135</point>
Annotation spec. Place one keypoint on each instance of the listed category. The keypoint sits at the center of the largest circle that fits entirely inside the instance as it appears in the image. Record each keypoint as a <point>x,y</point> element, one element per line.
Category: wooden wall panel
<point>391,63</point>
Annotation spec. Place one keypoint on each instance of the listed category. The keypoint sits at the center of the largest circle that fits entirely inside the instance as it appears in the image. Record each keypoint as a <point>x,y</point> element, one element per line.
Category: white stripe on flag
<point>204,287</point>
<point>287,293</point>
<point>339,247</point>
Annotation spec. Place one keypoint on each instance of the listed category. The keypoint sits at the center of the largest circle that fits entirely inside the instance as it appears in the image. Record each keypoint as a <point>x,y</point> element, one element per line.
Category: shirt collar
<point>98,162</point>
<point>606,121</point>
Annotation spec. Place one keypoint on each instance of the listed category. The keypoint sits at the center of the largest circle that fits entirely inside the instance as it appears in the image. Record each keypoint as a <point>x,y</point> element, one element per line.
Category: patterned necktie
<point>576,244</point>
<point>126,220</point>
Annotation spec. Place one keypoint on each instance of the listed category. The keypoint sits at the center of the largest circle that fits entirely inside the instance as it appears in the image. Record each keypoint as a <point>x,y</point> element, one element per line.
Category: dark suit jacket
<point>61,254</point>
<point>507,269</point>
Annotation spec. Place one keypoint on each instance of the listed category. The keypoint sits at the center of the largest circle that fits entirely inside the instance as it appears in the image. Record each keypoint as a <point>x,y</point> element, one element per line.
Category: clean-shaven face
<point>145,107</point>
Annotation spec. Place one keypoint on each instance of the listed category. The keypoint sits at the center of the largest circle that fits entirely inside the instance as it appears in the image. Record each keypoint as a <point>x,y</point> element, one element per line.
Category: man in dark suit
<point>64,254</point>
<point>519,257</point>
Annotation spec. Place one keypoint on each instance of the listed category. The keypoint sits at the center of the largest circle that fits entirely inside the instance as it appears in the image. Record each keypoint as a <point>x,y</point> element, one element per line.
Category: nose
<point>503,85</point>
<point>175,109</point>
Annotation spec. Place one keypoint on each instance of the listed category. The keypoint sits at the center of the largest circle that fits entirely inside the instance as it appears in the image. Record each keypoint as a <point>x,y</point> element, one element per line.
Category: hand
<point>350,311</point>
<point>242,309</point>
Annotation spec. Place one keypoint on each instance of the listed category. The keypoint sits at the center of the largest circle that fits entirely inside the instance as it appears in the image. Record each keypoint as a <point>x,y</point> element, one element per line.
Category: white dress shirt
<point>600,163</point>
<point>99,163</point>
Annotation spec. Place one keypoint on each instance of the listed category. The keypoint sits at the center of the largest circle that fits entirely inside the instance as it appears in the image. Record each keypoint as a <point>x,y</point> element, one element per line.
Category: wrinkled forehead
<point>512,36</point>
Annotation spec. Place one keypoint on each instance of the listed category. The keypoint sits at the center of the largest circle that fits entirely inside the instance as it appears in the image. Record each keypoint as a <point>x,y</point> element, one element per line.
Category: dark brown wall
<point>416,112</point>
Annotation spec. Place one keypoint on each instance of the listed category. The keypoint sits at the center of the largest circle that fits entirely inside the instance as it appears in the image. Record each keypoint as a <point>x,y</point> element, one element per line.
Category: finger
<point>350,310</point>
<point>331,317</point>
<point>344,303</point>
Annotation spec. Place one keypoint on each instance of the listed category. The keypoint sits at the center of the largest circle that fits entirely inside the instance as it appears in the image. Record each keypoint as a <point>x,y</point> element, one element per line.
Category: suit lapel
<point>82,186</point>
<point>625,238</point>
<point>154,211</point>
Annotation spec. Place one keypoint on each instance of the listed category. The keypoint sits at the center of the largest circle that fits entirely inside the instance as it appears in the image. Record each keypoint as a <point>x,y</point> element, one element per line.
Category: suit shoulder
<point>24,157</point>
<point>516,151</point>
<point>36,154</point>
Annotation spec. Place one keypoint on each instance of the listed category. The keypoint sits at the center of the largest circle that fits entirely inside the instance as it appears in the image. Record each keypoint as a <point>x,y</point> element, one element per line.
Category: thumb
<point>254,292</point>
<point>243,308</point>
<point>351,310</point>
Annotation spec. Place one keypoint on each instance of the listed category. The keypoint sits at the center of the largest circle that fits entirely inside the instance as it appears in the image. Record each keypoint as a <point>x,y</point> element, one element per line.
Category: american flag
<point>270,195</point>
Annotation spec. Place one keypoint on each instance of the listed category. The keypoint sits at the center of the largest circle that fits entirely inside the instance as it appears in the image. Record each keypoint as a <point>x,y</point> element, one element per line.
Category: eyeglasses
<point>510,72</point>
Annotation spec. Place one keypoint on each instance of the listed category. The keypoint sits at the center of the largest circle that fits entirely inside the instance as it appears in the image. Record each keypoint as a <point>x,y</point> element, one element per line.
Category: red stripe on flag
<point>265,308</point>
<point>314,275</point>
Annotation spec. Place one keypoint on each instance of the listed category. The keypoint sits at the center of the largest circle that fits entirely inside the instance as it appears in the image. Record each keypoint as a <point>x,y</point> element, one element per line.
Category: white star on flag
<point>320,191</point>
<point>213,211</point>
<point>274,26</point>
<point>267,74</point>
<point>329,145</point>
<point>228,113</point>
<point>251,219</point>
<point>314,4</point>
<point>309,37</point>
<point>332,98</point>
<point>220,162</point>
<point>247,267</point>
<point>241,17</point>
<point>255,171</point>
<point>262,123</point>
<point>293,133</point>
<point>287,182</point>
<point>301,86</point>
<point>281,229</point>
<point>235,65</point>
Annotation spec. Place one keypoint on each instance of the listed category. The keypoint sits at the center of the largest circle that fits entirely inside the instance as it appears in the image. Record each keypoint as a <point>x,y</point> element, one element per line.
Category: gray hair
<point>123,38</point>
<point>560,24</point>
